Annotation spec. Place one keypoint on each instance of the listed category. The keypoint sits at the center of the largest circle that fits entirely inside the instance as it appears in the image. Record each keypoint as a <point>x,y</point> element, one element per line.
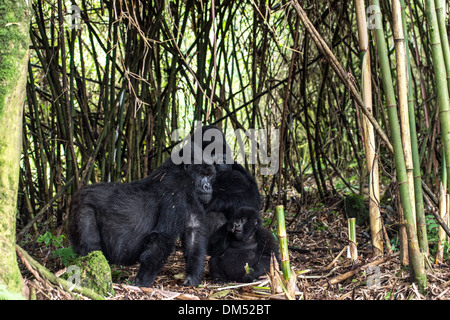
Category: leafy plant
<point>394,242</point>
<point>433,235</point>
<point>50,240</point>
<point>432,228</point>
<point>320,226</point>
<point>65,254</point>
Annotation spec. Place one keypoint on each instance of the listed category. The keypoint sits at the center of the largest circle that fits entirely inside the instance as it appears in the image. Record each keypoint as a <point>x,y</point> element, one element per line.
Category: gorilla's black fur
<point>140,221</point>
<point>234,187</point>
<point>239,243</point>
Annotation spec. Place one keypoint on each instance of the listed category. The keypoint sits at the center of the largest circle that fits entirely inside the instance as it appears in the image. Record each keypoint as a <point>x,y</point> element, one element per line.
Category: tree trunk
<point>14,22</point>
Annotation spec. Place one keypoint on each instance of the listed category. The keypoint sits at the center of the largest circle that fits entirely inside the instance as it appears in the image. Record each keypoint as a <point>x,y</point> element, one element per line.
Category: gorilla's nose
<point>207,187</point>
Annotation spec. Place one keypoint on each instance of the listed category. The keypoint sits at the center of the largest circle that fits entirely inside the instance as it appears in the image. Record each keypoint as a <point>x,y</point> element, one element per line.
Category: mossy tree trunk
<point>14,22</point>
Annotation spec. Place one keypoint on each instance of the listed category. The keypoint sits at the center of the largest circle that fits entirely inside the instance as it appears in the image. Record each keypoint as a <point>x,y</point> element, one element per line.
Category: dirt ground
<point>318,255</point>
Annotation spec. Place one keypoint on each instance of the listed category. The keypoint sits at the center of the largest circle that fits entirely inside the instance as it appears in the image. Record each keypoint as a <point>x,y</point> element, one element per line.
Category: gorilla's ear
<point>256,222</point>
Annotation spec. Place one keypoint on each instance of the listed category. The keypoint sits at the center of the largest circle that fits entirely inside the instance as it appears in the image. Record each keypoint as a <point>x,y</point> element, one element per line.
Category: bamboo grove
<point>358,90</point>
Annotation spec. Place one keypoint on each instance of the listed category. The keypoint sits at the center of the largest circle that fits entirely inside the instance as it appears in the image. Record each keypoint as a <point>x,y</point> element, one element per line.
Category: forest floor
<point>318,255</point>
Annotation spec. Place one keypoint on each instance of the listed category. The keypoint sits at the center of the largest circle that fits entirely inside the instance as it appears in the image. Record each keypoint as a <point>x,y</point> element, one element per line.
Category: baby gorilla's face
<point>238,225</point>
<point>244,223</point>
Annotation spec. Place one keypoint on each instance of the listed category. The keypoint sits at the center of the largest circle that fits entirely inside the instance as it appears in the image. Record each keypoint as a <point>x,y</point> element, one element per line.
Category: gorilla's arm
<point>266,246</point>
<point>219,241</point>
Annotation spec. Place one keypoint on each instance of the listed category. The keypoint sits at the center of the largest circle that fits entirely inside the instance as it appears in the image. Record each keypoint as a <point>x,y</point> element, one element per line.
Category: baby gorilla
<point>241,249</point>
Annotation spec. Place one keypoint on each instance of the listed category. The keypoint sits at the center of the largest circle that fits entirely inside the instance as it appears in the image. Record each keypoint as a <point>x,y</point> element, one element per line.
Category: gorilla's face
<point>203,176</point>
<point>244,223</point>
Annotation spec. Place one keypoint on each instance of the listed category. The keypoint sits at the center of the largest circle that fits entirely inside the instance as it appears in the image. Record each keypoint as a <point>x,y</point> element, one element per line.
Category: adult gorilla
<point>234,187</point>
<point>140,221</point>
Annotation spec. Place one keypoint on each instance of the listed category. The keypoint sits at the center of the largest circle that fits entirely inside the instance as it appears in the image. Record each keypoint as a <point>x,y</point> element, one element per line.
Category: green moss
<point>94,273</point>
<point>14,39</point>
<point>14,36</point>
<point>5,294</point>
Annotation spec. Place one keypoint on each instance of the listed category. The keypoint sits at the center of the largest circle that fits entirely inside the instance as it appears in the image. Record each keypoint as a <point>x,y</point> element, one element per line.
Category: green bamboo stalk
<point>342,74</point>
<point>443,172</point>
<point>443,210</point>
<point>108,107</point>
<point>282,237</point>
<point>399,159</point>
<point>353,251</point>
<point>119,138</point>
<point>38,138</point>
<point>440,15</point>
<point>113,147</point>
<point>306,123</point>
<point>369,135</point>
<point>443,214</point>
<point>440,78</point>
<point>400,57</point>
<point>418,193</point>
<point>415,255</point>
<point>352,230</point>
<point>71,160</point>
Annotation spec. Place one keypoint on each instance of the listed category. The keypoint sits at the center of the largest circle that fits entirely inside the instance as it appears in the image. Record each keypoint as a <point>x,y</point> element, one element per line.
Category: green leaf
<point>220,294</point>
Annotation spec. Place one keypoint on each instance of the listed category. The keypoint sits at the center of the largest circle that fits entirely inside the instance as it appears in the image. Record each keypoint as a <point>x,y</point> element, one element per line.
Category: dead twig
<point>169,295</point>
<point>345,276</point>
<point>328,267</point>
